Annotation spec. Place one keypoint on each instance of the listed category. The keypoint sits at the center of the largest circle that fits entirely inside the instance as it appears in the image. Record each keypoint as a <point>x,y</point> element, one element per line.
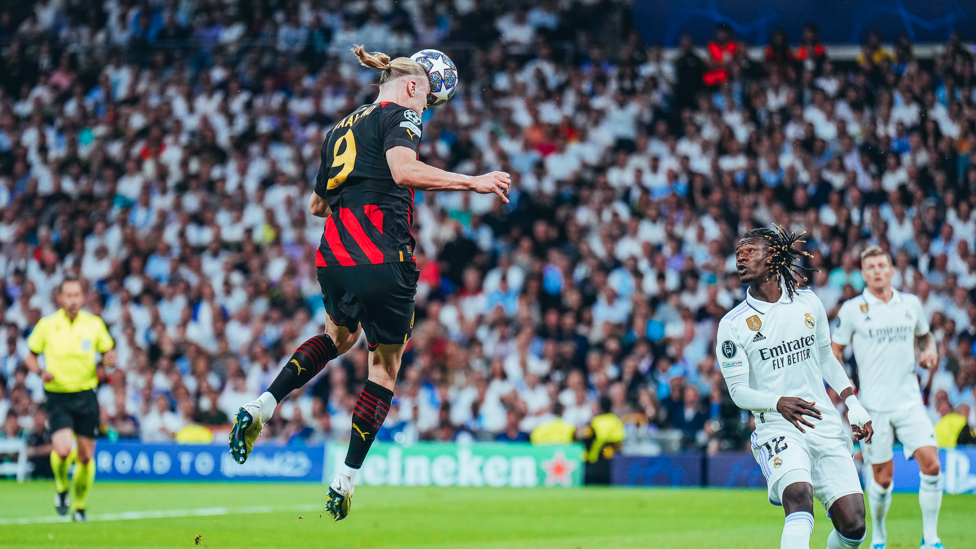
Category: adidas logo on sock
<point>759,337</point>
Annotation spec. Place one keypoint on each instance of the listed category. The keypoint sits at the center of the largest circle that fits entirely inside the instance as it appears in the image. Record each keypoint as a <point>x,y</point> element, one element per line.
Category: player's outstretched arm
<point>412,173</point>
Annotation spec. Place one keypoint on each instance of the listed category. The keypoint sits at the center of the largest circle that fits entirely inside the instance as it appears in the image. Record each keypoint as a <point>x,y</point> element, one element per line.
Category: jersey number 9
<point>345,161</point>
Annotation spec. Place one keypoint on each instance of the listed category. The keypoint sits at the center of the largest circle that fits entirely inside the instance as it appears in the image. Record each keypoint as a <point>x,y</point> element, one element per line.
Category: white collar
<point>764,307</point>
<point>872,299</point>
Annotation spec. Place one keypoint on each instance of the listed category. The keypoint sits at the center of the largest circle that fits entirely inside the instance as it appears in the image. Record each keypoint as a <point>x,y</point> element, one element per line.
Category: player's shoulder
<point>395,110</point>
<point>807,299</point>
<point>735,316</point>
<point>911,299</point>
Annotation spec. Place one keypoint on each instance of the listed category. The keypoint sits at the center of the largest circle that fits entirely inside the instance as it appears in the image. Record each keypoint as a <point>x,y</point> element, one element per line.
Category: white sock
<point>930,500</point>
<point>349,472</point>
<point>880,500</point>
<point>268,405</point>
<point>837,541</point>
<point>797,530</point>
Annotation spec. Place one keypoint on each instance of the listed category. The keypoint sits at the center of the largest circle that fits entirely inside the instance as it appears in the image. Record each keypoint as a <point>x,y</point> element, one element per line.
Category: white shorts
<point>910,425</point>
<point>787,456</point>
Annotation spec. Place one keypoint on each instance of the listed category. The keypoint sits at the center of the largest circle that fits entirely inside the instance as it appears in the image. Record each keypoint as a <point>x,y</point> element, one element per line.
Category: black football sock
<point>367,418</point>
<point>307,361</point>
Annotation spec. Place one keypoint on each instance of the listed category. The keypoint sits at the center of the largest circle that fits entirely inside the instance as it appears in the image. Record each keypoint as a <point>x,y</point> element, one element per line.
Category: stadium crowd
<point>165,152</point>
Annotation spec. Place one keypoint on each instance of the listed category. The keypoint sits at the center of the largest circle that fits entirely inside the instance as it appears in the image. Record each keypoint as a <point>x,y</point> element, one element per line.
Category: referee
<point>69,339</point>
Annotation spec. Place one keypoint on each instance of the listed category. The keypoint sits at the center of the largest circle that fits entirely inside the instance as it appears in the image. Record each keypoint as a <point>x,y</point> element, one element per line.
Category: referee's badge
<point>754,323</point>
<point>864,308</point>
<point>86,345</point>
<point>808,320</point>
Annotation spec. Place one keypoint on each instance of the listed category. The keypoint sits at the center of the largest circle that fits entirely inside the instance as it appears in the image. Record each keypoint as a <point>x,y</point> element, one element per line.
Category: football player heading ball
<point>441,74</point>
<point>364,190</point>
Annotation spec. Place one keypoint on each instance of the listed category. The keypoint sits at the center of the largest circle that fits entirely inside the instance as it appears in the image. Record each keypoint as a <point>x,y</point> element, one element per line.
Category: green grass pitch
<point>239,516</point>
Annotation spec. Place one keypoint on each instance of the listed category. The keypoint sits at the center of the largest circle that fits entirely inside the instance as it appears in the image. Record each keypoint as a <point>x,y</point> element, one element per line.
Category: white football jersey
<point>883,336</point>
<point>780,346</point>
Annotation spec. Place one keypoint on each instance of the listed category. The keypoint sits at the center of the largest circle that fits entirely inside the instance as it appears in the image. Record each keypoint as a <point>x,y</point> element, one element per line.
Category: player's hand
<point>109,357</point>
<point>863,433</point>
<point>859,418</point>
<point>494,182</point>
<point>794,409</point>
<point>928,359</point>
<point>46,376</point>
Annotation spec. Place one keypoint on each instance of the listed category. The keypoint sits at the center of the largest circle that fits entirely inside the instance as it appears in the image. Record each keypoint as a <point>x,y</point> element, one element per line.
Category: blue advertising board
<point>840,21</point>
<point>734,470</point>
<point>665,470</point>
<point>957,468</point>
<point>135,461</point>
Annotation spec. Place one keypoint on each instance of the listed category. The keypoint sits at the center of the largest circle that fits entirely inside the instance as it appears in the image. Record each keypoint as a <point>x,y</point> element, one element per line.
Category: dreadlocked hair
<point>783,256</point>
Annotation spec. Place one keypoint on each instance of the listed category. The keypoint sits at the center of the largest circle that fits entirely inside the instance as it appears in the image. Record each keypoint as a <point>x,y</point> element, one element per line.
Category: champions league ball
<point>441,73</point>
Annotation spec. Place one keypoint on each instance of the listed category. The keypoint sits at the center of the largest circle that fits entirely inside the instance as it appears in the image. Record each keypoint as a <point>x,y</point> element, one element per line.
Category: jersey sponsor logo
<point>731,363</point>
<point>808,320</point>
<point>412,129</point>
<point>754,323</point>
<point>728,349</point>
<point>891,334</point>
<point>759,337</point>
<point>864,308</point>
<point>788,352</point>
<point>412,116</point>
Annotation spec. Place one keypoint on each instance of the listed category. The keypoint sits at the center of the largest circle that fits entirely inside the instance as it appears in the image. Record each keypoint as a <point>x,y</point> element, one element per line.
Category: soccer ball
<point>441,73</point>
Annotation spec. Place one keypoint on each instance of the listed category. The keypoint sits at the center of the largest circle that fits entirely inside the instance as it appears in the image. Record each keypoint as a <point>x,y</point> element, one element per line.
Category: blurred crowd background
<point>165,152</point>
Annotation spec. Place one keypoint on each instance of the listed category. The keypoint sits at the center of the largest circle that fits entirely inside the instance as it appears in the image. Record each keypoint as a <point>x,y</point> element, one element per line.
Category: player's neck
<point>769,291</point>
<point>387,96</point>
<point>884,295</point>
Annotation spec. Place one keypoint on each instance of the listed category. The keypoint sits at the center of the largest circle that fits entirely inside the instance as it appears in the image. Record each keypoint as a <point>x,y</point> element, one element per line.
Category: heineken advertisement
<point>483,464</point>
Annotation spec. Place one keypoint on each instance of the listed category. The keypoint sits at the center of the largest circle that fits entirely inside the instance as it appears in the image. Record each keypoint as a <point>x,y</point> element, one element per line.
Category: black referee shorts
<point>79,411</point>
<point>380,297</point>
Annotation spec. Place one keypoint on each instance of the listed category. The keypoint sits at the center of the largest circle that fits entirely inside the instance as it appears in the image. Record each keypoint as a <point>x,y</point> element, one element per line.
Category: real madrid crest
<point>908,314</point>
<point>808,320</point>
<point>754,323</point>
<point>777,462</point>
<point>864,308</point>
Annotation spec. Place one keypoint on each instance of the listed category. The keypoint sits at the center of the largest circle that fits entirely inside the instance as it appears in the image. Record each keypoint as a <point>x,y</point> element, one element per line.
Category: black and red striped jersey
<point>371,215</point>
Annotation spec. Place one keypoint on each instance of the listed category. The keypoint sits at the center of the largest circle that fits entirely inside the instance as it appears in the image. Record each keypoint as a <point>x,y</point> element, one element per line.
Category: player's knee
<point>931,467</point>
<point>883,478</point>
<point>852,526</point>
<point>345,340</point>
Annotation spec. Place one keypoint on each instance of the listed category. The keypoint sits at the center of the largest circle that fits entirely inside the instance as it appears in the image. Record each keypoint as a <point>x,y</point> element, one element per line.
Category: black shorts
<point>380,297</point>
<point>79,411</point>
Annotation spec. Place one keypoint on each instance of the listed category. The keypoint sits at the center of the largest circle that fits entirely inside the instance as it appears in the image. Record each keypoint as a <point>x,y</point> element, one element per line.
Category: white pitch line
<point>170,513</point>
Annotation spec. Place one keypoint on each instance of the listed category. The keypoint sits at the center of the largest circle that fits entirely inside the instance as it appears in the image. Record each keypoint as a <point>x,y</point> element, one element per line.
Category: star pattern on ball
<point>438,65</point>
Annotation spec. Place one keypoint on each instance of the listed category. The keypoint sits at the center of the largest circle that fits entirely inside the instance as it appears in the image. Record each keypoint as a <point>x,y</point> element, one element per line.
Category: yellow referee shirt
<point>69,349</point>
